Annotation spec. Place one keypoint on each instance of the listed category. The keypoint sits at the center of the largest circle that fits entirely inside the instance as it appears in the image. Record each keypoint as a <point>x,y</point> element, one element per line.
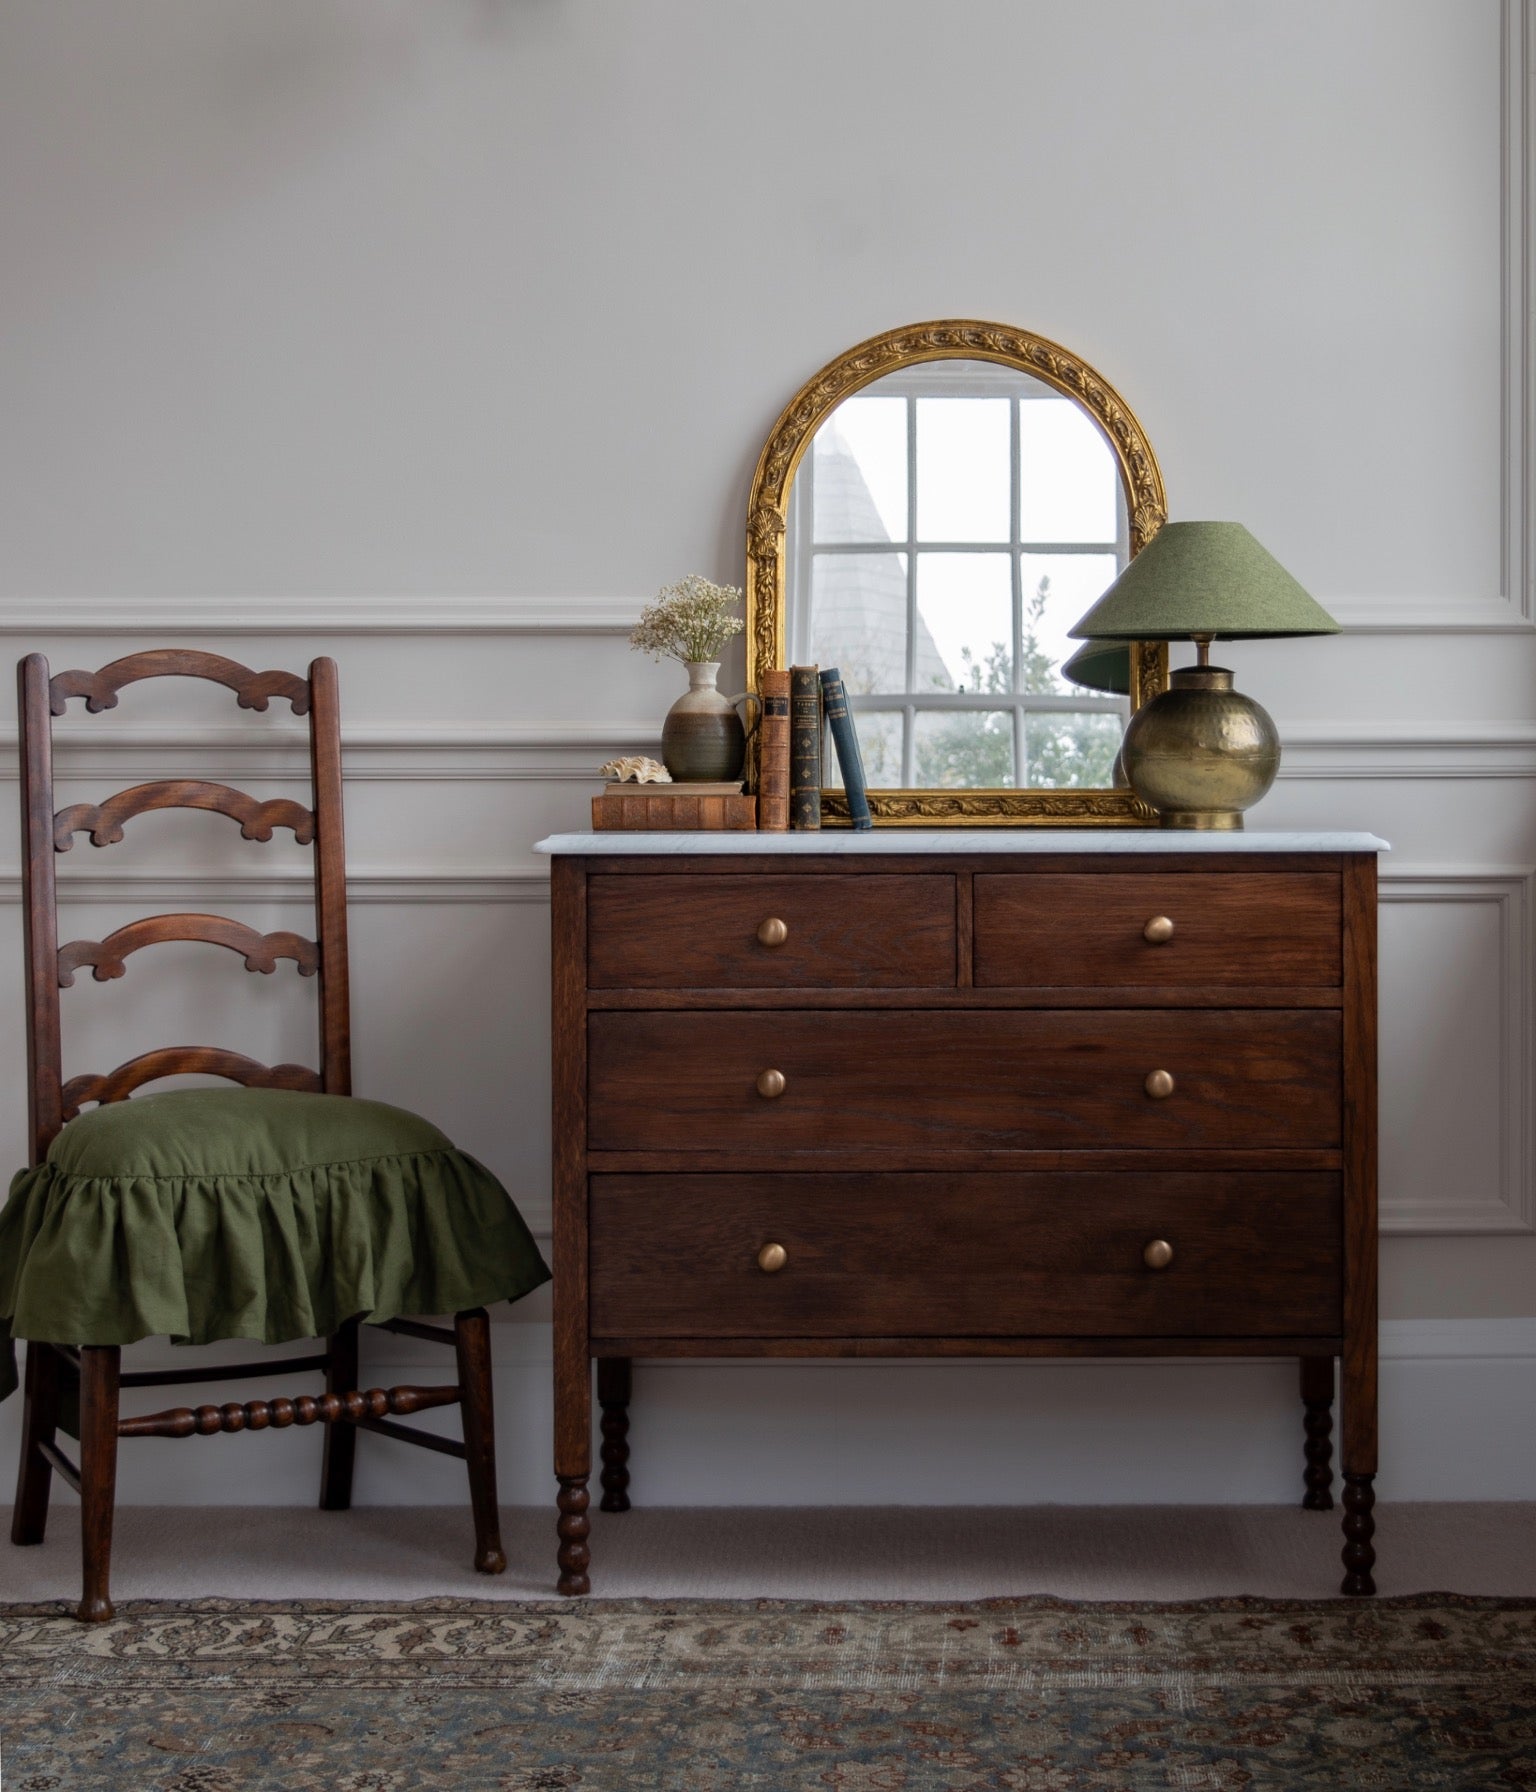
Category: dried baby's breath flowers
<point>691,620</point>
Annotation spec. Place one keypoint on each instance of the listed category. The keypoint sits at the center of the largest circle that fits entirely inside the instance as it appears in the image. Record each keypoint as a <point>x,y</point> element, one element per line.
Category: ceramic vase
<point>702,739</point>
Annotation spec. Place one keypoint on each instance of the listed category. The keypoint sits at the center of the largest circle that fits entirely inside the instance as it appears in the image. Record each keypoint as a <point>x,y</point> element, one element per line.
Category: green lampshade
<point>1101,666</point>
<point>1203,579</point>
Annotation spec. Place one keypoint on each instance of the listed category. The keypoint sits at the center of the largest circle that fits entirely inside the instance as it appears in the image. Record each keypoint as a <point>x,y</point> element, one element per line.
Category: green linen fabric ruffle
<point>201,1214</point>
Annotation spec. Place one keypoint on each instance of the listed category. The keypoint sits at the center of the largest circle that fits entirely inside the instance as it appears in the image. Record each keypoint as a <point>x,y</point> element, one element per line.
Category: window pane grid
<point>1031,732</point>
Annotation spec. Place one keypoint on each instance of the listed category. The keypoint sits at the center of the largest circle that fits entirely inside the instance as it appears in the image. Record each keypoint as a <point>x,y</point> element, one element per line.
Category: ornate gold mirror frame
<point>954,339</point>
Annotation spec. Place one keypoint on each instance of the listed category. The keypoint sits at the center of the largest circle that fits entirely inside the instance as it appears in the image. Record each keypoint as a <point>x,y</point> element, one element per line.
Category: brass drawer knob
<point>1157,930</point>
<point>1158,1254</point>
<point>1159,1084</point>
<point>772,932</point>
<point>770,1084</point>
<point>772,1258</point>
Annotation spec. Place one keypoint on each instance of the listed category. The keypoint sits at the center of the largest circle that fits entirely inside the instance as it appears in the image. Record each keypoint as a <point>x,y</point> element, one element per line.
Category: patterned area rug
<point>1028,1695</point>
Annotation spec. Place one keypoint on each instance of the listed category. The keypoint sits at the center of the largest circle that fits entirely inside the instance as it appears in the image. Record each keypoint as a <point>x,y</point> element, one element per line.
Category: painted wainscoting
<point>1458,1418</point>
<point>449,912</point>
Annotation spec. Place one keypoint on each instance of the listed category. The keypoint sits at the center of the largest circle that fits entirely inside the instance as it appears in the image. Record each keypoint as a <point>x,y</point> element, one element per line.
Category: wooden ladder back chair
<point>342,1409</point>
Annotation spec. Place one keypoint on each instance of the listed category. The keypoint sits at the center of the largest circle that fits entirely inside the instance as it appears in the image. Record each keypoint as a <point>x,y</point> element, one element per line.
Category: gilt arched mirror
<point>931,514</point>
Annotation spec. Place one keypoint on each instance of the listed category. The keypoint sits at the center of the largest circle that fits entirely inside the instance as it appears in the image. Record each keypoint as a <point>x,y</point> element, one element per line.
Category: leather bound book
<point>834,701</point>
<point>804,747</point>
<point>635,807</point>
<point>773,753</point>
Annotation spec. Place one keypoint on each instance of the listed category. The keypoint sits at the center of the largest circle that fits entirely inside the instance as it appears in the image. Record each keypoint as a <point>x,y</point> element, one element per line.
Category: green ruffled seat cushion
<point>202,1214</point>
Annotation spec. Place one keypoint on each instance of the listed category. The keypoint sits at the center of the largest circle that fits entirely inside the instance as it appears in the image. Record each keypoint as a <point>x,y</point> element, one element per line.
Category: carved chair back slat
<point>104,821</point>
<point>260,951</point>
<point>183,1060</point>
<point>47,833</point>
<point>253,690</point>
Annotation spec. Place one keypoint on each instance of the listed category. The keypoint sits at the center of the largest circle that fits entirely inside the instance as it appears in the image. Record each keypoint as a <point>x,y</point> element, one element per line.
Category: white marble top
<point>956,840</point>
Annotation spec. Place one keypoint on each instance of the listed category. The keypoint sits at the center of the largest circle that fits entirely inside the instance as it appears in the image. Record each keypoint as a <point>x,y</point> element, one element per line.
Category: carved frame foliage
<point>767,509</point>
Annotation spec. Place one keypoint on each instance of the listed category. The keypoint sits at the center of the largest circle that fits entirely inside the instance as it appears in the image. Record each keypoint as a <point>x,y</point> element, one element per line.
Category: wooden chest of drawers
<point>953,1096</point>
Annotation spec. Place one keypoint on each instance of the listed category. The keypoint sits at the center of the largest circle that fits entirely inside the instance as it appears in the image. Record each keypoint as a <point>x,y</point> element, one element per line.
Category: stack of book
<point>683,808</point>
<point>799,707</point>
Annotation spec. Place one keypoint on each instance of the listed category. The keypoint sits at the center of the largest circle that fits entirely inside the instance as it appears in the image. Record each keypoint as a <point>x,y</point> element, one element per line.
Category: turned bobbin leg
<point>573,1460</point>
<point>1317,1399</point>
<point>614,1383</point>
<point>1359,1391</point>
<point>1359,1529</point>
<point>573,1529</point>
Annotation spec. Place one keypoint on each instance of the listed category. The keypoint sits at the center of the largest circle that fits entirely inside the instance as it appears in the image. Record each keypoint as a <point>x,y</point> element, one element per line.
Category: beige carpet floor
<point>1077,1552</point>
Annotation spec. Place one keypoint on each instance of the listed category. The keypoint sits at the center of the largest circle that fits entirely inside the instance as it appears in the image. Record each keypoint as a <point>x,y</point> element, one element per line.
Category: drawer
<point>1057,1255</point>
<point>1045,1078</point>
<point>1250,928</point>
<point>701,932</point>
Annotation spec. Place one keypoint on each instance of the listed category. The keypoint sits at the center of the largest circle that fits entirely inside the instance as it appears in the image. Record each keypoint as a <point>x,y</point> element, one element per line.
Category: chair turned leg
<point>341,1375</point>
<point>1317,1399</point>
<point>573,1529</point>
<point>100,1367</point>
<point>614,1383</point>
<point>39,1422</point>
<point>1359,1528</point>
<point>472,1341</point>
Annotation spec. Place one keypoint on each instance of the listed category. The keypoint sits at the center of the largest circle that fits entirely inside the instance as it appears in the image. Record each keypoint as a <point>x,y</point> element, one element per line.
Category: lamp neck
<point>1200,678</point>
<point>1203,649</point>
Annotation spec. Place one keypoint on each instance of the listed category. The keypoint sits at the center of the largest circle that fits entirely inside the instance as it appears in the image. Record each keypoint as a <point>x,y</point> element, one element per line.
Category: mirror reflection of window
<point>948,526</point>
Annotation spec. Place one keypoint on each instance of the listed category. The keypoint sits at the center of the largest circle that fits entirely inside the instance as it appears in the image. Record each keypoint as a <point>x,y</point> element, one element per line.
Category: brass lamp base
<point>1201,753</point>
<point>1212,821</point>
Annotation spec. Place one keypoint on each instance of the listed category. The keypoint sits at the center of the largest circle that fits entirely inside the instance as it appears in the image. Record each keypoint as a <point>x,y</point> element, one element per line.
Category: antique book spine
<point>804,747</point>
<point>773,753</point>
<point>834,701</point>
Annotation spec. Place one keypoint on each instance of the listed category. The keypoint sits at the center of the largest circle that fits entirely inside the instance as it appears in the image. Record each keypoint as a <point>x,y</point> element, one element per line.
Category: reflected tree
<point>1064,749</point>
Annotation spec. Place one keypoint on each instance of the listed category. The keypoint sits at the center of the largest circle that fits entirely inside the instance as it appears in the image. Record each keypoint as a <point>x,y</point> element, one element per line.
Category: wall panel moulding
<point>39,615</point>
<point>1458,1070</point>
<point>1513,607</point>
<point>1415,750</point>
<point>554,752</point>
<point>406,884</point>
<point>559,752</point>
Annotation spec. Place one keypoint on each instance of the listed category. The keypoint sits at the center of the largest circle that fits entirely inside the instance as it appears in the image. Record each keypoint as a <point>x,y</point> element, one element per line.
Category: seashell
<point>635,769</point>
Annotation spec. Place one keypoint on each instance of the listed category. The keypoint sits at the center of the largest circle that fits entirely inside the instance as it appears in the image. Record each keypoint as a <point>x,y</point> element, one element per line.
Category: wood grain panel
<point>573,1392</point>
<point>832,1156</point>
<point>700,931</point>
<point>947,1255</point>
<point>1242,928</point>
<point>1215,995</point>
<point>679,1082</point>
<point>1362,1250</point>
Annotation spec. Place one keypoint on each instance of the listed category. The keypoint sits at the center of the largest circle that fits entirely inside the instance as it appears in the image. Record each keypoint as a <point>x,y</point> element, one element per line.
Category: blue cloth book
<point>834,704</point>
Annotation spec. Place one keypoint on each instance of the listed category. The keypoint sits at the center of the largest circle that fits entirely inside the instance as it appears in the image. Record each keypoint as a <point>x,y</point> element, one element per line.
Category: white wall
<point>437,334</point>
